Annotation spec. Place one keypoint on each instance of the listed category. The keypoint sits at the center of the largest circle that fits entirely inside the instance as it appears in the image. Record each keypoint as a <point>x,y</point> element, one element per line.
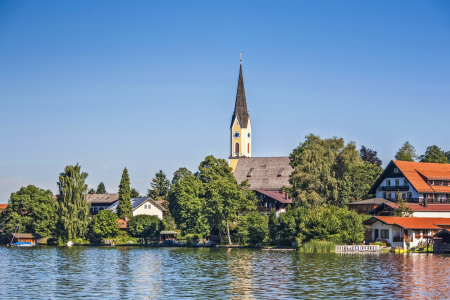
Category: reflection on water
<point>136,272</point>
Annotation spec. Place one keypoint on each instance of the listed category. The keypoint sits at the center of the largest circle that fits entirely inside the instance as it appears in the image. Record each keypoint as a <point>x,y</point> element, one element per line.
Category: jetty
<point>358,248</point>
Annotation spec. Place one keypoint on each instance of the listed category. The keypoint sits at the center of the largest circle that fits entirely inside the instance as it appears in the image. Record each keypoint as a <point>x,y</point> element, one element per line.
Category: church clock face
<point>236,134</point>
<point>248,135</point>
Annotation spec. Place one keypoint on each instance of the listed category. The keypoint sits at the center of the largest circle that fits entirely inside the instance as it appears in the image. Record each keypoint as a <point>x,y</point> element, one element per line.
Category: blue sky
<point>151,85</point>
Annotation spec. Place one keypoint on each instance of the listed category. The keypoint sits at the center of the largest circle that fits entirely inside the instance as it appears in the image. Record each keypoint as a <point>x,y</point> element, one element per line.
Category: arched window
<point>236,148</point>
<point>248,148</point>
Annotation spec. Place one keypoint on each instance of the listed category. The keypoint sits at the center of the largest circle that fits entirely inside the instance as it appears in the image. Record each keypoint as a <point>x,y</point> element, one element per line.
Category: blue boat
<point>21,244</point>
<point>22,239</point>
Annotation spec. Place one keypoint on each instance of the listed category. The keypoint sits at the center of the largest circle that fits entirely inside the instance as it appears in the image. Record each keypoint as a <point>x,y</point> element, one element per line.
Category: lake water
<point>46,272</point>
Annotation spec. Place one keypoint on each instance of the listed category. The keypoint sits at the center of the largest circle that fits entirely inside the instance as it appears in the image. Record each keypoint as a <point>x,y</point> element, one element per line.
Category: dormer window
<point>388,182</point>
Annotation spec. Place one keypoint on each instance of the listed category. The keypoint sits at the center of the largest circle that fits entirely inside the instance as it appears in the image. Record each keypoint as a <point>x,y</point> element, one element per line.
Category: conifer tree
<point>101,189</point>
<point>72,207</point>
<point>407,152</point>
<point>124,207</point>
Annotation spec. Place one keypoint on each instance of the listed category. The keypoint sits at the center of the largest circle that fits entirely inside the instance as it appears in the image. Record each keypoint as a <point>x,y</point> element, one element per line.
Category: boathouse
<point>25,237</point>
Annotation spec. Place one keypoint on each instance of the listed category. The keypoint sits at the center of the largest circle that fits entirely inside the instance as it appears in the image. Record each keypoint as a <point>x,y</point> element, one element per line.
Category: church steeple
<point>240,107</point>
<point>241,127</point>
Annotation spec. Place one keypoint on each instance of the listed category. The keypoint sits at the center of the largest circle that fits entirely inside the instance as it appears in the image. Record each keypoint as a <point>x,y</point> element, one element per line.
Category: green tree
<point>91,191</point>
<point>319,167</point>
<point>36,209</point>
<point>144,226</point>
<point>187,207</point>
<point>364,174</point>
<point>72,207</point>
<point>434,154</point>
<point>447,154</point>
<point>180,173</point>
<point>101,189</point>
<point>273,226</point>
<point>407,152</point>
<point>134,193</point>
<point>124,207</point>
<point>105,224</point>
<point>252,228</point>
<point>160,186</point>
<point>214,168</point>
<point>402,209</point>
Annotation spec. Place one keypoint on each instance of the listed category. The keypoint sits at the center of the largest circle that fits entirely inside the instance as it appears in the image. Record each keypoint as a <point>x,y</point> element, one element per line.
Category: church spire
<point>240,107</point>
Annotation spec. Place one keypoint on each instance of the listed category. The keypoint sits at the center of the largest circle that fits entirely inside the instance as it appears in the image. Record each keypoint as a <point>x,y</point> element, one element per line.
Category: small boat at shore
<point>21,239</point>
<point>21,244</point>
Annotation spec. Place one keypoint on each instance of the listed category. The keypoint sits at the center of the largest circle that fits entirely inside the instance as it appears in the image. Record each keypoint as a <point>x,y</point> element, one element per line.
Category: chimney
<point>125,219</point>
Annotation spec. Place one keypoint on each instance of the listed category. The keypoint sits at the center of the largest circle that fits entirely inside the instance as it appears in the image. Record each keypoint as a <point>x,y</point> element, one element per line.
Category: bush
<point>252,229</point>
<point>318,246</point>
<point>144,226</point>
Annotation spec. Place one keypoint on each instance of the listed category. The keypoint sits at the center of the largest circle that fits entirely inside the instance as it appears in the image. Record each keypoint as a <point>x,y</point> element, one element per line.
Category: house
<point>425,210</point>
<point>142,206</point>
<point>25,237</point>
<point>122,224</point>
<point>366,206</point>
<point>441,241</point>
<point>101,201</point>
<point>398,230</point>
<point>266,176</point>
<point>415,181</point>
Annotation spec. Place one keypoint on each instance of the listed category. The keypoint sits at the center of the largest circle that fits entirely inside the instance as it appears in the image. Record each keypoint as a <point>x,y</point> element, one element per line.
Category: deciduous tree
<point>434,154</point>
<point>124,207</point>
<point>407,152</point>
<point>72,207</point>
<point>105,224</point>
<point>144,226</point>
<point>369,155</point>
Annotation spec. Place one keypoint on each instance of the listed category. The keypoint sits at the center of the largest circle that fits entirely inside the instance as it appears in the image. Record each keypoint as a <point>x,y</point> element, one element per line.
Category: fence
<point>358,248</point>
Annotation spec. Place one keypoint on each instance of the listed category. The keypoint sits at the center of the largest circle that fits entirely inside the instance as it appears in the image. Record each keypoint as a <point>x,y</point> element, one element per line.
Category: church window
<point>248,148</point>
<point>236,148</point>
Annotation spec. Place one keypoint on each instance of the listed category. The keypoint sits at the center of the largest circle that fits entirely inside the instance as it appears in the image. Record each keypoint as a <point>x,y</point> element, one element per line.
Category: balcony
<point>418,236</point>
<point>395,188</point>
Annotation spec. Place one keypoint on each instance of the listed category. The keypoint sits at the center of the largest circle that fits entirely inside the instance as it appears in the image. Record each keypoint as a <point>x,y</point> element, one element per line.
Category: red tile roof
<point>276,195</point>
<point>411,222</point>
<point>122,224</point>
<point>3,206</point>
<point>420,207</point>
<point>418,173</point>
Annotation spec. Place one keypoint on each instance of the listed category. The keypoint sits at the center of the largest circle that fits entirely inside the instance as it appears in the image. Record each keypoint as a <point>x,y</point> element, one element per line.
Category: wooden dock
<point>358,248</point>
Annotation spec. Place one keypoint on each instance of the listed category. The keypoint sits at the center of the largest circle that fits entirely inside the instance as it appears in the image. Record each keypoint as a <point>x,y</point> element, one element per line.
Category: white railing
<point>358,248</point>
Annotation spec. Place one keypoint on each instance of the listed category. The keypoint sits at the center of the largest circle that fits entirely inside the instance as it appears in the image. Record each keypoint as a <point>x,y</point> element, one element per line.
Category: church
<point>266,175</point>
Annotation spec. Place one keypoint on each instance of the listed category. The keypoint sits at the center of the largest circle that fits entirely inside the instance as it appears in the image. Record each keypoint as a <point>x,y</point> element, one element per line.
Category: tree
<point>180,173</point>
<point>105,224</point>
<point>319,167</point>
<point>214,168</point>
<point>434,154</point>
<point>72,207</point>
<point>273,226</point>
<point>369,156</point>
<point>36,210</point>
<point>144,226</point>
<point>124,207</point>
<point>252,228</point>
<point>91,191</point>
<point>186,206</point>
<point>447,154</point>
<point>407,152</point>
<point>402,209</point>
<point>160,186</point>
<point>357,181</point>
<point>101,189</point>
<point>134,193</point>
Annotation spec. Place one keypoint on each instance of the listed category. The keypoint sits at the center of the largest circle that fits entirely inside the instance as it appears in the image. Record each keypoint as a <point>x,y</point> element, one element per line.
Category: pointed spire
<point>240,107</point>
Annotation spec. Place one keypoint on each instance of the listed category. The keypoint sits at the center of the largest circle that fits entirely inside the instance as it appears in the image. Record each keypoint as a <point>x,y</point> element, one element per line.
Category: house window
<point>403,195</point>
<point>396,170</point>
<point>397,182</point>
<point>389,196</point>
<point>388,182</point>
<point>149,206</point>
<point>405,181</point>
<point>409,195</point>
<point>384,234</point>
<point>384,195</point>
<point>145,206</point>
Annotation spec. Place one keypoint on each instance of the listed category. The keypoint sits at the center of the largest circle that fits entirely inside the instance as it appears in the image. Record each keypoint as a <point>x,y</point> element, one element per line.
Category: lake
<point>202,273</point>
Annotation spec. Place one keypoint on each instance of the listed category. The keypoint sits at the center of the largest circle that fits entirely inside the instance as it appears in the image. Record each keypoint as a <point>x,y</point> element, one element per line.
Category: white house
<point>142,206</point>
<point>415,181</point>
<point>397,230</point>
<point>432,210</point>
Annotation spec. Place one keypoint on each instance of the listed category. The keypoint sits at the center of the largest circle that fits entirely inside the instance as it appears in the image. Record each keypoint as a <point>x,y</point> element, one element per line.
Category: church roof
<point>264,173</point>
<point>240,107</point>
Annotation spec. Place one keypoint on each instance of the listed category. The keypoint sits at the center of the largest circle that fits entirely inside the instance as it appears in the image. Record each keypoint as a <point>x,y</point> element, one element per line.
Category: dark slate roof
<point>371,201</point>
<point>277,196</point>
<point>269,173</point>
<point>135,203</point>
<point>102,198</point>
<point>240,107</point>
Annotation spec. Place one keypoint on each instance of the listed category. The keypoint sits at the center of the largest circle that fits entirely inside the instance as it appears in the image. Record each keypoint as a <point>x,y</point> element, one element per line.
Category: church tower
<point>241,128</point>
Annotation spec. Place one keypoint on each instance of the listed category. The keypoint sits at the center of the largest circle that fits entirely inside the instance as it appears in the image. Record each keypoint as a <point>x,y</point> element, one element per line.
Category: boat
<point>18,236</point>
